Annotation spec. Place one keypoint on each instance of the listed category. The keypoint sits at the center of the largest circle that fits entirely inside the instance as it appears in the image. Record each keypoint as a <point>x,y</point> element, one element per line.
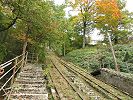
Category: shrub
<point>93,58</point>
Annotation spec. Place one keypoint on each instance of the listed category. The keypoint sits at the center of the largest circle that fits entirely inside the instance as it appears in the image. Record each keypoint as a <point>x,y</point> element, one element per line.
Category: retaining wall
<point>117,79</point>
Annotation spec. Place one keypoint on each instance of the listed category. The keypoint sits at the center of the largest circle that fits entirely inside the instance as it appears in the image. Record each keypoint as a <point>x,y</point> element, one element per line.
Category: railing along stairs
<point>11,67</point>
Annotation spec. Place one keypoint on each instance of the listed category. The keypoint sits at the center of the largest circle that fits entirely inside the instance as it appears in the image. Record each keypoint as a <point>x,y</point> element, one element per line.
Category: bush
<point>93,58</point>
<point>3,52</point>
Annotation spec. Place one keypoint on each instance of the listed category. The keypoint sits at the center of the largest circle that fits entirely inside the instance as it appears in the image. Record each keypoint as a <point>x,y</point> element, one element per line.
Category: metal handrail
<point>7,72</point>
<point>10,78</point>
<point>4,64</point>
<point>15,69</point>
<point>10,69</point>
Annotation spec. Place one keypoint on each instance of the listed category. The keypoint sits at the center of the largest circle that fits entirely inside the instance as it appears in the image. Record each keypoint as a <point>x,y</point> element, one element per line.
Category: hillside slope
<point>96,57</point>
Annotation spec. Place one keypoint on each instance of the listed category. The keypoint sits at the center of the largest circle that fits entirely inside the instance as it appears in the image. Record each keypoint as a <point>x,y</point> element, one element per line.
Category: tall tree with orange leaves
<point>108,17</point>
<point>108,12</point>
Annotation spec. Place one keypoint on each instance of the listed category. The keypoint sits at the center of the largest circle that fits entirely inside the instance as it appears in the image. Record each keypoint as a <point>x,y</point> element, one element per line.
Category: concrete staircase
<point>29,84</point>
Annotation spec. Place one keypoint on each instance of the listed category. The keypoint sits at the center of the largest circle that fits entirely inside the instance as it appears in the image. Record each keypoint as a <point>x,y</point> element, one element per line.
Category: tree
<point>108,17</point>
<point>34,25</point>
<point>85,8</point>
<point>123,30</point>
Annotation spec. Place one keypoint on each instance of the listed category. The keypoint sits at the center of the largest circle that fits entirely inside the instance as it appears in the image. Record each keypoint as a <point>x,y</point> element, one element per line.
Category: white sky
<point>129,6</point>
<point>59,2</point>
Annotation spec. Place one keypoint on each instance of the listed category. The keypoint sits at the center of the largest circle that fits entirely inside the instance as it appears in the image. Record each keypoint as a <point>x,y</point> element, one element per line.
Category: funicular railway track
<point>65,90</point>
<point>105,89</point>
<point>91,89</point>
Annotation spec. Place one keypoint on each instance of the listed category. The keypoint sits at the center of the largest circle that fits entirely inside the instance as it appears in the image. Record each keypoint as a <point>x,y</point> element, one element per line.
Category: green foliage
<point>3,52</point>
<point>84,58</point>
<point>92,59</point>
<point>39,21</point>
<point>41,56</point>
<point>44,24</point>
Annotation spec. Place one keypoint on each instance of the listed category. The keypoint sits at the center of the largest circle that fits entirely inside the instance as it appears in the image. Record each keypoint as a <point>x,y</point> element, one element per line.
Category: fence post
<point>26,58</point>
<point>37,59</point>
<point>16,60</point>
<point>23,58</point>
<point>31,57</point>
<point>1,71</point>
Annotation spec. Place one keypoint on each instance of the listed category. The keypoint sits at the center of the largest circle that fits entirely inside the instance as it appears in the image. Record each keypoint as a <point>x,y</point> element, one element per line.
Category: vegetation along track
<point>101,90</point>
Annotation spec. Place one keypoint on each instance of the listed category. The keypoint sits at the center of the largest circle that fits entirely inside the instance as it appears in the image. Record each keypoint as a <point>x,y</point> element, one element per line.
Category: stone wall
<point>117,79</point>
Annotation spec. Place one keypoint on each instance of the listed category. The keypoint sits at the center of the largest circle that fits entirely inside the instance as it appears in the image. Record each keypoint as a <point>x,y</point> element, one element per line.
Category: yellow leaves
<point>109,9</point>
<point>108,6</point>
<point>85,1</point>
<point>22,37</point>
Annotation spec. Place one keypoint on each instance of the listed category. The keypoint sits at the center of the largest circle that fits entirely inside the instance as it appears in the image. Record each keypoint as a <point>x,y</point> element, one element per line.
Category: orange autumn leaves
<point>105,11</point>
<point>85,1</point>
<point>108,12</point>
<point>106,7</point>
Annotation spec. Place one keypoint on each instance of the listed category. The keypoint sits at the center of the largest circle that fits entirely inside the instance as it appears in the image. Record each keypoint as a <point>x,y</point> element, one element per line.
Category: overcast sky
<point>129,4</point>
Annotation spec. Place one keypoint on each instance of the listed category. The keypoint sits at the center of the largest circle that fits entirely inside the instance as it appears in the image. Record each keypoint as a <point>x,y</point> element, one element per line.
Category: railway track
<point>64,89</point>
<point>91,88</point>
<point>105,89</point>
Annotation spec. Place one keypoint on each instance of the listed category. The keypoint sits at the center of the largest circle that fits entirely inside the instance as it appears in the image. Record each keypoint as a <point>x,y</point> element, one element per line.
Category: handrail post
<point>16,60</point>
<point>1,71</point>
<point>32,59</point>
<point>26,58</point>
<point>37,58</point>
<point>23,59</point>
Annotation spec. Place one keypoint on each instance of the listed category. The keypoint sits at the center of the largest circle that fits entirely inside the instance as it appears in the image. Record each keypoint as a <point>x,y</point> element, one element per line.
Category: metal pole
<point>26,58</point>
<point>16,60</point>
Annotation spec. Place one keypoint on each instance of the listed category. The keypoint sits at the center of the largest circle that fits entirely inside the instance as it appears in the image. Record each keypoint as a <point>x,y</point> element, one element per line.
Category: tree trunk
<point>113,52</point>
<point>24,49</point>
<point>25,43</point>
<point>64,49</point>
<point>84,39</point>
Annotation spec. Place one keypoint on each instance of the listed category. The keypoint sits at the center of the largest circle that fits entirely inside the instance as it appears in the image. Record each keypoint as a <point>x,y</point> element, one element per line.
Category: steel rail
<point>80,96</point>
<point>88,80</point>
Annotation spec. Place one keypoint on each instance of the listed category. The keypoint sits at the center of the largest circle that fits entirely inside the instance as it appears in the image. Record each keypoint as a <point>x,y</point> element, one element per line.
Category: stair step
<point>29,70</point>
<point>31,76</point>
<point>29,79</point>
<point>29,82</point>
<point>29,96</point>
<point>32,71</point>
<point>29,85</point>
<point>29,90</point>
